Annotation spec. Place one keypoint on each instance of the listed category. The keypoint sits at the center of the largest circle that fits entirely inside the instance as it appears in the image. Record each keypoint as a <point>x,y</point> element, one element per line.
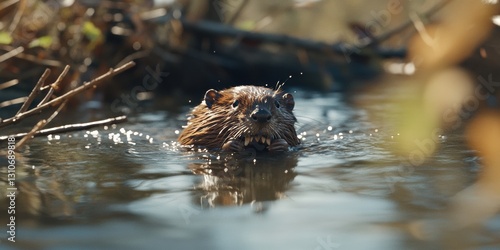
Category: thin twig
<point>420,27</point>
<point>17,17</point>
<point>8,84</point>
<point>40,125</point>
<point>71,127</point>
<point>34,92</point>
<point>54,86</point>
<point>237,12</point>
<point>13,101</point>
<point>85,86</point>
<point>11,53</point>
<point>406,24</point>
<point>51,117</point>
<point>32,58</point>
<point>7,4</point>
<point>134,56</point>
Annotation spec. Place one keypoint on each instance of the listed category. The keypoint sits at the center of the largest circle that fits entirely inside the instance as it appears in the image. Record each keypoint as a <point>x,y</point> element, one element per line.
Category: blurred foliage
<point>5,38</point>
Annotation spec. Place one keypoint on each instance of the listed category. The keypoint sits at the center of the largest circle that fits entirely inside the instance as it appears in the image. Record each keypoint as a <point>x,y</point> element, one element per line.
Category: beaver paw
<point>233,145</point>
<point>278,145</point>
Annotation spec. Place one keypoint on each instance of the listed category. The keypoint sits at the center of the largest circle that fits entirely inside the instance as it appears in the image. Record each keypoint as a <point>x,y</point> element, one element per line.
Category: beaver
<point>240,117</point>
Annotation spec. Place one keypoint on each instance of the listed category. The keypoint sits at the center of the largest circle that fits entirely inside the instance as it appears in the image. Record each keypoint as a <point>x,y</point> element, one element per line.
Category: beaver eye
<point>277,104</point>
<point>236,103</point>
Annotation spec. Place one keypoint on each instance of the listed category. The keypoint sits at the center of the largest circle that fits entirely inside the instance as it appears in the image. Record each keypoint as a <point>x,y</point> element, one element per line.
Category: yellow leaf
<point>5,38</point>
<point>44,42</point>
<point>91,31</point>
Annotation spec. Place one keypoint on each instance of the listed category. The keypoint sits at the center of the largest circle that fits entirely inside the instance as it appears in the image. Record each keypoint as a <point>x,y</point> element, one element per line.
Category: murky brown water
<point>130,187</point>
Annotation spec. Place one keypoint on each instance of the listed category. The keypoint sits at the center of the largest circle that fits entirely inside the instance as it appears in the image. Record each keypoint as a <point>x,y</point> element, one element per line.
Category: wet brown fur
<point>214,124</point>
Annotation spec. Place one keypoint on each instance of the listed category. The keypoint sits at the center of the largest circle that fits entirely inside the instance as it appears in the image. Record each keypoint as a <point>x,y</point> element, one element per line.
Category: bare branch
<point>407,24</point>
<point>8,84</point>
<point>33,59</point>
<point>54,86</point>
<point>34,92</point>
<point>7,4</point>
<point>71,127</point>
<point>85,86</point>
<point>11,53</point>
<point>237,13</point>
<point>17,17</point>
<point>13,101</point>
<point>40,125</point>
<point>28,135</point>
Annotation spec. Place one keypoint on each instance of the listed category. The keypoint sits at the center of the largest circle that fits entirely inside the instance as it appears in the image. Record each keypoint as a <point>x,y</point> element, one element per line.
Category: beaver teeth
<point>258,138</point>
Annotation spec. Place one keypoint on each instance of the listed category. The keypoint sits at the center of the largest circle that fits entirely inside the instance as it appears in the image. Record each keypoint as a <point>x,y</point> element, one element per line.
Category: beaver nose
<point>261,115</point>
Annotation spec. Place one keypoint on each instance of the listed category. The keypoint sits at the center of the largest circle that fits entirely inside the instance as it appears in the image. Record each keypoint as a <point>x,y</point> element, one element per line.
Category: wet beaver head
<point>243,116</point>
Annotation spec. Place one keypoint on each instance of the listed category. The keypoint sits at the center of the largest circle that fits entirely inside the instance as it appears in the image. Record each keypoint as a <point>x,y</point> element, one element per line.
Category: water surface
<point>129,186</point>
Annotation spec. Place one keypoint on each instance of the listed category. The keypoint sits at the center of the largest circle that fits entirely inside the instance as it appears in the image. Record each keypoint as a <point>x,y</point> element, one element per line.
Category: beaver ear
<point>289,102</point>
<point>211,97</point>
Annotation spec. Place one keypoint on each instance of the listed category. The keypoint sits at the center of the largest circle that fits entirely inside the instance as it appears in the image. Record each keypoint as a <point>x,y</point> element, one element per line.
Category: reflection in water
<point>238,179</point>
<point>71,180</point>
